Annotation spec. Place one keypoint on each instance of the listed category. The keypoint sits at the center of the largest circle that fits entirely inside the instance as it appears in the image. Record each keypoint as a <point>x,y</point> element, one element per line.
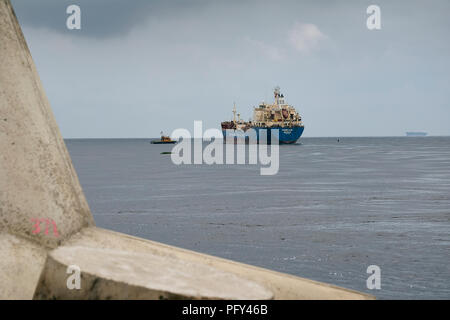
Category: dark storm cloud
<point>100,18</point>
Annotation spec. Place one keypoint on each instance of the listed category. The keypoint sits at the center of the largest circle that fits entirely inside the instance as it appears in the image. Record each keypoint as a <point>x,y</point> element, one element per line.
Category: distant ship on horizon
<point>416,134</point>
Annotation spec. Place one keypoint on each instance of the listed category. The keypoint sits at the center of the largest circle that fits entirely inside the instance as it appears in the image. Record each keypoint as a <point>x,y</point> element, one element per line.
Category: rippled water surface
<point>333,209</point>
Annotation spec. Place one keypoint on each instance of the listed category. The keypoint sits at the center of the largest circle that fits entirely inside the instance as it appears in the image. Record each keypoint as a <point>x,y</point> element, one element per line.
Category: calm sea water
<point>333,209</point>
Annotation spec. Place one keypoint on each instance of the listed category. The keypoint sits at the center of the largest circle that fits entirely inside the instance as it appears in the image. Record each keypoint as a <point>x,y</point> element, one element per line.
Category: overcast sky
<point>142,66</point>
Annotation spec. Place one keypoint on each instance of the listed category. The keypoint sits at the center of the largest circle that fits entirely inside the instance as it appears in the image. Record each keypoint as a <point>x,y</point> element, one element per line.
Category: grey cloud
<point>100,18</point>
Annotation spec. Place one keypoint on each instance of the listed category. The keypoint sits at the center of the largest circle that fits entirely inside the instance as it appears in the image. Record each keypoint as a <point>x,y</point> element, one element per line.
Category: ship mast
<point>234,112</point>
<point>276,93</point>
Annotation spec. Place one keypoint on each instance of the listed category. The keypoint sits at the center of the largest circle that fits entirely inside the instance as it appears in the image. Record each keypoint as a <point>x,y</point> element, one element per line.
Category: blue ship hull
<point>285,135</point>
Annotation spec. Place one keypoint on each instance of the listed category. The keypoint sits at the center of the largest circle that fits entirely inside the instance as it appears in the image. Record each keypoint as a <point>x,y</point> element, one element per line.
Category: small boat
<point>164,140</point>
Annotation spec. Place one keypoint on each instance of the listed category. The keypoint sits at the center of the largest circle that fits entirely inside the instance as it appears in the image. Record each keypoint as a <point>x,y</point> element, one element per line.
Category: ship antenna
<point>276,93</point>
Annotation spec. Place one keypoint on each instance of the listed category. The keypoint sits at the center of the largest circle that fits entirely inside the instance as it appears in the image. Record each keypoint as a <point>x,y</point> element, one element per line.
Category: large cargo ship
<point>279,116</point>
<point>416,134</point>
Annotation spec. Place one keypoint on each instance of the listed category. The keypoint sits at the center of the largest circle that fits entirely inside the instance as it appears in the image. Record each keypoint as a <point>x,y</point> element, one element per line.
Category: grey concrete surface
<point>118,274</point>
